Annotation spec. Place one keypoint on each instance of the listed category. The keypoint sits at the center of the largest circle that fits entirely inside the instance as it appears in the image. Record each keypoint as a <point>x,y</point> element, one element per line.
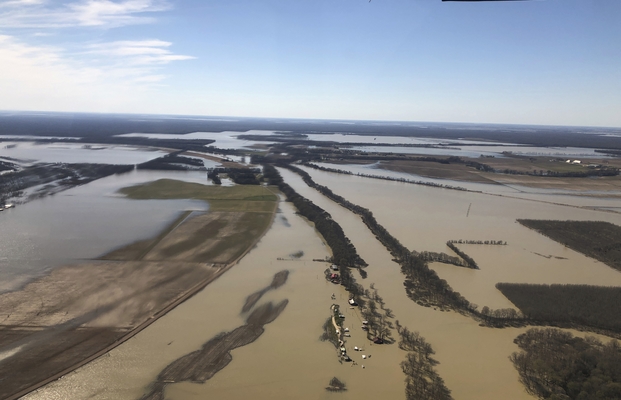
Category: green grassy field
<point>247,198</point>
<point>237,217</point>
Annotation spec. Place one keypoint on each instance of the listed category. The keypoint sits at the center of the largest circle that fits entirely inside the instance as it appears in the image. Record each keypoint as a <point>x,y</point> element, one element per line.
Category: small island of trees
<point>598,307</point>
<point>555,365</point>
<point>597,239</point>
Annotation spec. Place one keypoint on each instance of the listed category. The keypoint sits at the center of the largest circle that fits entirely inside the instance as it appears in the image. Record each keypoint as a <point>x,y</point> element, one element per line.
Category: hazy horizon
<point>229,118</point>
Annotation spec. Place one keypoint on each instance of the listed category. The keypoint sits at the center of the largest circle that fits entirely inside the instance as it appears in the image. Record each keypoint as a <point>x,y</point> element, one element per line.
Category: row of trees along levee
<point>422,283</point>
<point>425,287</point>
<point>344,253</point>
<point>378,317</point>
<point>388,178</point>
<point>422,382</point>
<point>469,260</point>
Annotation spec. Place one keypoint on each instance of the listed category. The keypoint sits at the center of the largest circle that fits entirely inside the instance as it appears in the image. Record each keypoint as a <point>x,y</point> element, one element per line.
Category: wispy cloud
<point>80,75</point>
<point>138,52</point>
<point>38,73</point>
<point>15,3</point>
<point>42,14</point>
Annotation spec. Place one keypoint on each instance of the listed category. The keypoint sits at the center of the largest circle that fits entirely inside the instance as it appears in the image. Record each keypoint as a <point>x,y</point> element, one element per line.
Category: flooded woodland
<point>254,332</point>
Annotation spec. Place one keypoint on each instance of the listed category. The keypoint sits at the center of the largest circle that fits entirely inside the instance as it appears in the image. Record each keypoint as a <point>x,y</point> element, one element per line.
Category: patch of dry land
<point>78,312</point>
<point>438,170</point>
<point>524,171</point>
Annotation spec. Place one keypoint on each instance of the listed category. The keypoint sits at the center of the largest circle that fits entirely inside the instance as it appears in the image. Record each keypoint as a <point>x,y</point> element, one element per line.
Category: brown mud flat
<point>461,172</point>
<point>535,164</point>
<point>217,237</point>
<point>76,311</point>
<point>37,361</point>
<point>601,183</point>
<point>201,365</point>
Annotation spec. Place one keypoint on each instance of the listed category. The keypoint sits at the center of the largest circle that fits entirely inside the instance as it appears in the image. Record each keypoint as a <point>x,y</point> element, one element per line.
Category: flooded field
<point>284,357</point>
<point>579,194</point>
<point>478,151</point>
<point>223,140</point>
<point>473,360</point>
<point>424,219</point>
<point>77,153</point>
<point>300,365</point>
<point>83,223</point>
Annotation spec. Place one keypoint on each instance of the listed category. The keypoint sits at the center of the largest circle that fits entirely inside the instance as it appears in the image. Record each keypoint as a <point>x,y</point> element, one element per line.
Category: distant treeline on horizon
<point>89,125</point>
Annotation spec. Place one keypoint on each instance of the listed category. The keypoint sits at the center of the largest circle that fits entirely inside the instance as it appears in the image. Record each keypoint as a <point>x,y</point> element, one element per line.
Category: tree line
<point>388,178</point>
<point>64,175</point>
<point>241,176</point>
<point>378,316</point>
<point>423,285</point>
<point>486,242</point>
<point>597,239</point>
<point>469,260</point>
<point>555,365</point>
<point>598,307</point>
<point>344,253</point>
<point>173,162</point>
<point>7,166</point>
<point>422,382</point>
<point>589,172</point>
<point>444,258</point>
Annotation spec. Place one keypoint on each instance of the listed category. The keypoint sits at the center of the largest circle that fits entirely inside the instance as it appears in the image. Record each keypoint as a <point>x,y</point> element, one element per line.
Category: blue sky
<point>532,62</point>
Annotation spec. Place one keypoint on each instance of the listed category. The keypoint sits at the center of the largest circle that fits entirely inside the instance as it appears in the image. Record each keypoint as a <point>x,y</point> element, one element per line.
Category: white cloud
<point>15,3</point>
<point>138,52</point>
<point>41,14</point>
<point>40,77</point>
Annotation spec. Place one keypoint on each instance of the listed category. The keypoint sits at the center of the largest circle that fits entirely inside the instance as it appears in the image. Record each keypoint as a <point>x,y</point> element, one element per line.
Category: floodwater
<point>223,140</point>
<point>83,223</point>
<point>575,197</point>
<point>287,361</point>
<point>473,360</point>
<point>478,151</point>
<point>396,140</point>
<point>425,218</point>
<point>77,153</point>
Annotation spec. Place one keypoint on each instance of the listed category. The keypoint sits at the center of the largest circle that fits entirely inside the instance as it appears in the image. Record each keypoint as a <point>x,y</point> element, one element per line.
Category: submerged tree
<point>336,385</point>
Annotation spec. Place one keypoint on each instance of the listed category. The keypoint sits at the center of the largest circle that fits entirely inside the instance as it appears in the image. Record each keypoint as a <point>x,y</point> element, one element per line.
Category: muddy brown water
<point>288,360</point>
<point>473,360</point>
<point>424,218</point>
<point>300,366</point>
